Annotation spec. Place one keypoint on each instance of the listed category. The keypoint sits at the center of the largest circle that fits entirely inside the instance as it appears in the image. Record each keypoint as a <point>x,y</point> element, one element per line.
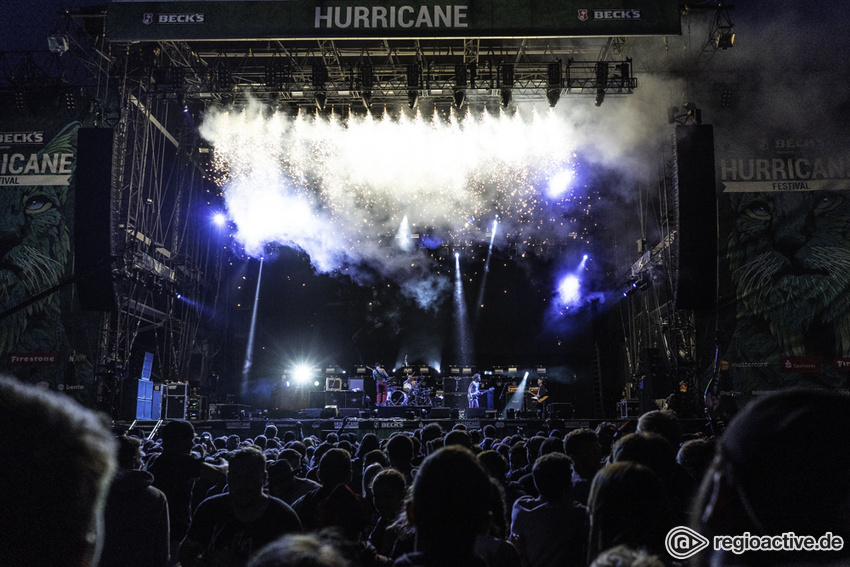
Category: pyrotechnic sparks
<point>340,189</point>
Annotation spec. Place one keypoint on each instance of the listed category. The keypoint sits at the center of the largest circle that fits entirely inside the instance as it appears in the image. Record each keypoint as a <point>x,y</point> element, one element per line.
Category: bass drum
<point>398,398</point>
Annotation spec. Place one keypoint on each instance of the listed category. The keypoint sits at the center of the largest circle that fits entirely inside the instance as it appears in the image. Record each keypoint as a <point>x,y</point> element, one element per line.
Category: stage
<point>385,427</point>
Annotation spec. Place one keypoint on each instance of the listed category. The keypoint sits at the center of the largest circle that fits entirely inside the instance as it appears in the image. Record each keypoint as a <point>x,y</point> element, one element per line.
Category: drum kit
<point>411,393</point>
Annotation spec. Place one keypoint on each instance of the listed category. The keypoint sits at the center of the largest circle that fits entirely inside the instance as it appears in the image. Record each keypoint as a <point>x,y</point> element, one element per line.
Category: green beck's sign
<point>133,20</point>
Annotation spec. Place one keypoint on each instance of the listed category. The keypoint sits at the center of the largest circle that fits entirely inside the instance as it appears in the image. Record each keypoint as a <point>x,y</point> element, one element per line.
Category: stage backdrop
<point>784,211</point>
<point>45,338</point>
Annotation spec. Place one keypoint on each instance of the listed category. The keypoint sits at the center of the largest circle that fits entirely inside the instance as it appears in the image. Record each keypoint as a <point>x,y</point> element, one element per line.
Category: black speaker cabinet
<point>455,400</point>
<point>476,413</point>
<point>93,219</point>
<point>440,413</point>
<point>697,208</point>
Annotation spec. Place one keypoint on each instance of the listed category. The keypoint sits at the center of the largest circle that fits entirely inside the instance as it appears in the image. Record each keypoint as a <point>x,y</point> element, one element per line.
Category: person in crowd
<point>448,510</point>
<point>695,457</point>
<point>492,545</point>
<point>664,423</point>
<point>655,452</point>
<point>388,490</point>
<point>400,452</point>
<point>625,556</point>
<point>136,517</point>
<point>228,528</point>
<point>334,469</point>
<point>175,470</point>
<point>285,484</point>
<point>300,550</point>
<point>552,529</point>
<point>582,446</point>
<point>628,506</point>
<point>518,460</point>
<point>497,468</point>
<point>605,434</point>
<point>57,460</point>
<point>780,467</point>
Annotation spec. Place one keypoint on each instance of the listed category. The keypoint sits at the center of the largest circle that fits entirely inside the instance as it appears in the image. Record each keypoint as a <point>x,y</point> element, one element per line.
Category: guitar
<point>481,393</point>
<point>540,400</point>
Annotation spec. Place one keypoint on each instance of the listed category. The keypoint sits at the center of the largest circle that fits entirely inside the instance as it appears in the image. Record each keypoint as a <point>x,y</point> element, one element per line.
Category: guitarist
<point>474,390</point>
<point>541,397</point>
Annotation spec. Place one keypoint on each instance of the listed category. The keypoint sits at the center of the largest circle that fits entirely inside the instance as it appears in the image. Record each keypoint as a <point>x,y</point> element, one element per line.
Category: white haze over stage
<point>339,188</point>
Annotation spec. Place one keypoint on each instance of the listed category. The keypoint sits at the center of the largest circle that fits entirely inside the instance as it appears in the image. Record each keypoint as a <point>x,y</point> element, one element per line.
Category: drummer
<point>409,383</point>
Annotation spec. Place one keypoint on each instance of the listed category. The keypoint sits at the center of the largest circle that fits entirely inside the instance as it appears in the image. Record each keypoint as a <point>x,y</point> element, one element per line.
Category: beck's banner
<point>133,20</point>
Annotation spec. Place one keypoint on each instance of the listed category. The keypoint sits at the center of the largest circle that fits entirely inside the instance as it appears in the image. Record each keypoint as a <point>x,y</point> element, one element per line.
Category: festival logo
<point>582,15</point>
<point>147,19</point>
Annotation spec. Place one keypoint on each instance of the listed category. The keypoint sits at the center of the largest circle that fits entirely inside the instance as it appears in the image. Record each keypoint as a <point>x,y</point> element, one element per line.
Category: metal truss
<point>343,72</point>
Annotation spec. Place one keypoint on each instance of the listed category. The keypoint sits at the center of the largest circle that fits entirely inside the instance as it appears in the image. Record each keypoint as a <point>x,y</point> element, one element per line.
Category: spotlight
<point>600,96</point>
<point>57,43</point>
<point>412,99</point>
<point>219,219</point>
<point>553,93</point>
<point>459,98</point>
<point>366,97</point>
<point>301,374</point>
<point>506,97</point>
<point>725,38</point>
<point>321,101</point>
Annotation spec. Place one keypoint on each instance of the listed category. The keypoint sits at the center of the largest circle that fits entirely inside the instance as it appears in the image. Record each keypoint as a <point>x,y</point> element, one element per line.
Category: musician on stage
<point>474,390</point>
<point>541,397</point>
<point>380,376</point>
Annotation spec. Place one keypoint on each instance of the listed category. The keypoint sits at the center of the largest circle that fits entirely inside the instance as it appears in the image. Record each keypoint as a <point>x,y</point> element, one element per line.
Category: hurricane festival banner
<point>784,212</point>
<point>134,20</point>
<point>45,338</point>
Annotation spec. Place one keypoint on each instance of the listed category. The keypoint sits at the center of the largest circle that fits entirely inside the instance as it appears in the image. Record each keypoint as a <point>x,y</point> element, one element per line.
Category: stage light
<point>219,219</point>
<point>600,96</point>
<point>321,101</point>
<point>601,81</point>
<point>366,97</point>
<point>301,374</point>
<point>459,97</point>
<point>57,44</point>
<point>412,99</point>
<point>506,96</point>
<point>553,93</point>
<point>725,38</point>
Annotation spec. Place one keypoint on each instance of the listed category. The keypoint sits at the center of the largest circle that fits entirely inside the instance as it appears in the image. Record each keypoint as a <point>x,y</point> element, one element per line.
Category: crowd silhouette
<point>76,493</point>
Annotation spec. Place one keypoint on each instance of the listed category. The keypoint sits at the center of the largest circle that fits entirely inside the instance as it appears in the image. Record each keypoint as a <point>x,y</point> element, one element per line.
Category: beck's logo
<point>582,15</point>
<point>147,19</point>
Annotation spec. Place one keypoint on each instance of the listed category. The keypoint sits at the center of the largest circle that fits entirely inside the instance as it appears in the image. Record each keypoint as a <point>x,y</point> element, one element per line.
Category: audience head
<point>625,556</point>
<point>494,464</point>
<point>552,474</point>
<point>450,500</point>
<point>388,490</point>
<point>628,505</point>
<point>270,431</point>
<point>782,466</point>
<point>246,475</point>
<point>648,449</point>
<point>695,457</point>
<point>663,423</point>
<point>299,550</point>
<point>57,460</point>
<point>335,467</point>
<point>582,446</point>
<point>458,437</point>
<point>178,436</point>
<point>129,452</point>
<point>400,451</point>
